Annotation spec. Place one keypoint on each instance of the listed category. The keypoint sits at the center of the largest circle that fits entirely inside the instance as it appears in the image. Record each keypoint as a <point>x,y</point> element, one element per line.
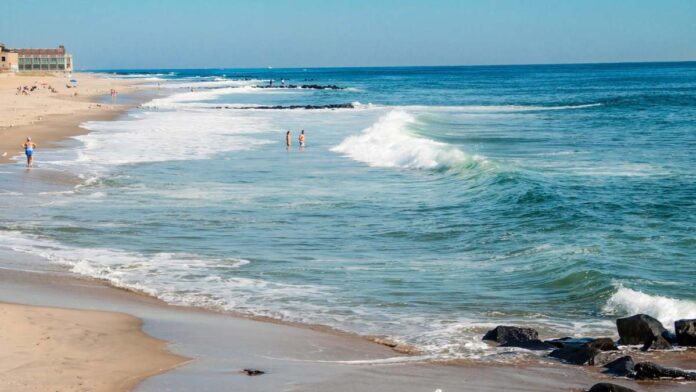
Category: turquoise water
<point>448,200</point>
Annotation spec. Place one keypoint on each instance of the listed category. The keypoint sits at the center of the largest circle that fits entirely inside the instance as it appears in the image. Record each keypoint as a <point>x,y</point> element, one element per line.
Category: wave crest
<point>387,143</point>
<point>628,302</point>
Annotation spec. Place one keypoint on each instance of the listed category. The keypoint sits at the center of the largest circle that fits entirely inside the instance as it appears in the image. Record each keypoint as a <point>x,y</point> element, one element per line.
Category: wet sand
<point>295,358</point>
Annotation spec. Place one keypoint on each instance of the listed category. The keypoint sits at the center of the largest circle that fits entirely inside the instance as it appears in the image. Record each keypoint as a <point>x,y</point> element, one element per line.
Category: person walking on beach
<point>288,141</point>
<point>29,147</point>
<point>302,138</point>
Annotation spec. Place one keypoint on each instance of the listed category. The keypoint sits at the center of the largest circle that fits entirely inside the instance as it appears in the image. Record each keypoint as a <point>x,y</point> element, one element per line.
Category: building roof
<point>41,51</point>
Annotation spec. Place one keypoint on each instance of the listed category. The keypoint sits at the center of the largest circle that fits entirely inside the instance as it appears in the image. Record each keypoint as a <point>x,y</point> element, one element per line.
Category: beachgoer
<point>29,147</point>
<point>288,142</point>
<point>301,138</point>
<point>282,82</point>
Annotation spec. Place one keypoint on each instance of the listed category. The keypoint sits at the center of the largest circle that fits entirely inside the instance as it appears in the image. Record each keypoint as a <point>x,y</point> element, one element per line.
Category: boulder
<point>653,371</point>
<point>609,387</point>
<point>534,344</point>
<point>568,341</point>
<point>639,329</point>
<point>580,355</point>
<point>503,334</point>
<point>657,343</point>
<point>602,344</point>
<point>686,332</point>
<point>605,357</point>
<point>622,367</point>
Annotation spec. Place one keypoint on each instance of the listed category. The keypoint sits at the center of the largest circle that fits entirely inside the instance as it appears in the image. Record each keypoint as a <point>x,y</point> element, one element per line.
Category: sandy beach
<point>49,116</point>
<point>76,350</point>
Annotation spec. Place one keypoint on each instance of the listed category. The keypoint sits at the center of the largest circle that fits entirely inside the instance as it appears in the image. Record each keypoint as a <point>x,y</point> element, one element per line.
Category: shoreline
<point>289,352</point>
<point>349,358</point>
<point>220,345</point>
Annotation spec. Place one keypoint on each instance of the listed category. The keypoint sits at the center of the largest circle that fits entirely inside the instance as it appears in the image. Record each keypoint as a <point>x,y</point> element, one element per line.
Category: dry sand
<point>48,116</point>
<point>51,349</point>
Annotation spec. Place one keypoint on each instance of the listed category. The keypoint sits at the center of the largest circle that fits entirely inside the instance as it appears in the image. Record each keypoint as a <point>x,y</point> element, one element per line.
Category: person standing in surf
<point>288,140</point>
<point>29,147</point>
<point>302,138</point>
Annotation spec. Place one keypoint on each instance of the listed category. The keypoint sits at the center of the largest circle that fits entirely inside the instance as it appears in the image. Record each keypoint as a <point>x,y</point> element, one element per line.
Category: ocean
<point>432,205</point>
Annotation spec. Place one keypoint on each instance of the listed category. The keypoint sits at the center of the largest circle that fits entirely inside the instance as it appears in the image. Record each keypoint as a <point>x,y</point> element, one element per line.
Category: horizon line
<point>400,66</point>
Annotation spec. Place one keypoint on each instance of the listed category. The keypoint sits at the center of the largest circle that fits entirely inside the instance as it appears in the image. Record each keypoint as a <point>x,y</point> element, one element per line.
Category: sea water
<point>447,200</point>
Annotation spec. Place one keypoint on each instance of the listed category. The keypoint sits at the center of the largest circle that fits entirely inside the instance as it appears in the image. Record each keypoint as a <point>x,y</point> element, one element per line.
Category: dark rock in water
<point>318,87</point>
<point>568,342</point>
<point>253,372</point>
<point>686,332</point>
<point>307,107</point>
<point>670,337</point>
<point>657,343</point>
<point>535,344</point>
<point>639,329</point>
<point>291,107</point>
<point>305,86</point>
<point>609,387</point>
<point>602,344</point>
<point>604,357</point>
<point>581,355</point>
<point>622,367</point>
<point>653,371</point>
<point>503,334</point>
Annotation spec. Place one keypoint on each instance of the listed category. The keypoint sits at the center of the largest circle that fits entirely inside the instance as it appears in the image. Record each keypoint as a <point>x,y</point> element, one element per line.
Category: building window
<point>3,59</point>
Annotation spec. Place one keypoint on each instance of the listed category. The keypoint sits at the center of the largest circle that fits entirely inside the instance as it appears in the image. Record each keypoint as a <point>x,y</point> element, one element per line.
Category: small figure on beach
<point>270,83</point>
<point>29,147</point>
<point>302,138</point>
<point>282,82</point>
<point>288,140</point>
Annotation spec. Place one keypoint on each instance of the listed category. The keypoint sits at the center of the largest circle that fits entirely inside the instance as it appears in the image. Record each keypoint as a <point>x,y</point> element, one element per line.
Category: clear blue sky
<point>305,33</point>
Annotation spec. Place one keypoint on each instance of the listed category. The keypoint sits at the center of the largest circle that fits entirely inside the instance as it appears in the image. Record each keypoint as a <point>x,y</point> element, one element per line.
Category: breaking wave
<point>628,302</point>
<point>387,143</point>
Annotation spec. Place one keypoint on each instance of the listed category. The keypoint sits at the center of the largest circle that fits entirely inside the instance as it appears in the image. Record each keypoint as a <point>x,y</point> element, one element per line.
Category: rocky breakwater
<point>305,86</point>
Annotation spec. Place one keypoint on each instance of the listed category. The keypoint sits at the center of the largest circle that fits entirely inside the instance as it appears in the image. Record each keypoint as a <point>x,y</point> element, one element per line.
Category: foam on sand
<point>628,302</point>
<point>387,143</point>
<point>176,278</point>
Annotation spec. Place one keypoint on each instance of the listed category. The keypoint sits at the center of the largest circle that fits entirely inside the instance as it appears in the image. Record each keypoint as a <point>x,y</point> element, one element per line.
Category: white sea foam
<point>160,136</point>
<point>176,278</point>
<point>206,84</point>
<point>628,302</point>
<point>191,98</point>
<point>387,143</point>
